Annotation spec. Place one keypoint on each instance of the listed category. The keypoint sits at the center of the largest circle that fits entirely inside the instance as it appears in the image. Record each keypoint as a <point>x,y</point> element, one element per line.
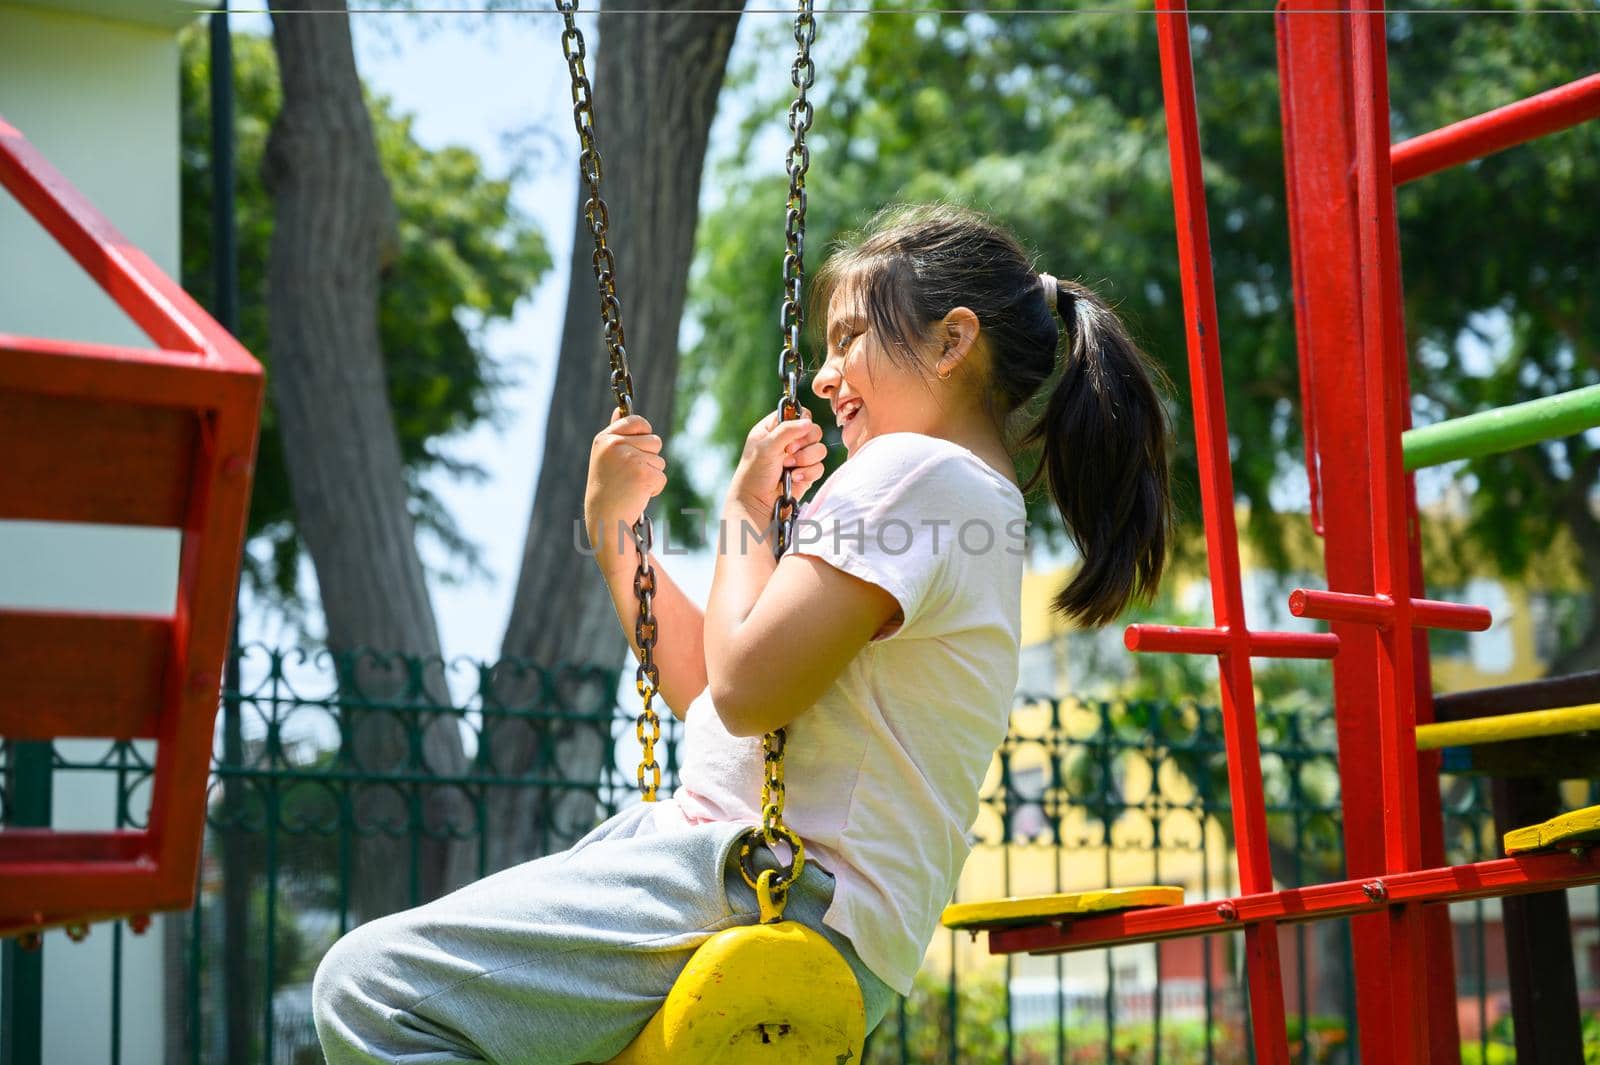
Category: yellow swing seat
<point>766,994</point>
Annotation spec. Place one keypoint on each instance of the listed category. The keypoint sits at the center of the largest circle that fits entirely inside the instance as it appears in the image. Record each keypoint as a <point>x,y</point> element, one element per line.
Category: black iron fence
<point>347,786</point>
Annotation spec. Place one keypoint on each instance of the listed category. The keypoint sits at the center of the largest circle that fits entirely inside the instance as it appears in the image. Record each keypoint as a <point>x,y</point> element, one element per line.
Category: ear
<point>960,333</point>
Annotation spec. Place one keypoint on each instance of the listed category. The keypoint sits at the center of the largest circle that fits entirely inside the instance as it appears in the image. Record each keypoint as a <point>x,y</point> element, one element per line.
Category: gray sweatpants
<point>553,962</point>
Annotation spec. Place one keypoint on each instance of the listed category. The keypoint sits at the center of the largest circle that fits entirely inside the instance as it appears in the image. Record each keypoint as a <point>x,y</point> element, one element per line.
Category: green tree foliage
<point>465,257</point>
<point>1055,124</point>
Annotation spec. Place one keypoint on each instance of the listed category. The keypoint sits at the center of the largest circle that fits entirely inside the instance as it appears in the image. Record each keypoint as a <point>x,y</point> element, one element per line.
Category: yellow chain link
<point>772,886</point>
<point>590,169</point>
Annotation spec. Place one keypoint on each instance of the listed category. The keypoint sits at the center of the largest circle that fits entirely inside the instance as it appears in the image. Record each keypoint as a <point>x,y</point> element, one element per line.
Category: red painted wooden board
<point>73,459</point>
<point>81,675</point>
<point>43,846</point>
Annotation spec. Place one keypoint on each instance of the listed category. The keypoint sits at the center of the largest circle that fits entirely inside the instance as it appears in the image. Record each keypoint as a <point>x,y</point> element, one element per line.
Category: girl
<point>885,639</point>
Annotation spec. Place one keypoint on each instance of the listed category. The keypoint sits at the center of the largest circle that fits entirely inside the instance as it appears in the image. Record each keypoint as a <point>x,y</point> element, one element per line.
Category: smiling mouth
<point>847,412</point>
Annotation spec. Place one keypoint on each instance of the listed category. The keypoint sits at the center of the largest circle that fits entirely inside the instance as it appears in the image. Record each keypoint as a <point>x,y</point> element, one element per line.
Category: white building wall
<point>93,85</point>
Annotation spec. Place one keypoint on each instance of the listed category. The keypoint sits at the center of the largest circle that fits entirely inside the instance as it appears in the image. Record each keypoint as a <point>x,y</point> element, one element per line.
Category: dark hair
<point>1103,427</point>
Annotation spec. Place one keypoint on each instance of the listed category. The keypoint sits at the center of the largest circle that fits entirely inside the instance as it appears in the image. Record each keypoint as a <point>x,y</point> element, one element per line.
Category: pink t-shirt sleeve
<point>885,516</point>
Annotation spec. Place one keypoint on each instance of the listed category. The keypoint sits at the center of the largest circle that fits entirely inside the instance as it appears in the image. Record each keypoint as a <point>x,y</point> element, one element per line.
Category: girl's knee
<point>347,984</point>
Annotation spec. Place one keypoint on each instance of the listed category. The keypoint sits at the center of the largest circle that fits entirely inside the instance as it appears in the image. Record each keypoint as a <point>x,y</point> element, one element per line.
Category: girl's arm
<point>679,651</point>
<point>626,469</point>
<point>779,633</point>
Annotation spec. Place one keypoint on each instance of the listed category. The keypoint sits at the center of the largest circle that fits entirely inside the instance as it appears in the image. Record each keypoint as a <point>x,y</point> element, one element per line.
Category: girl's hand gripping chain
<point>626,470</point>
<point>771,447</point>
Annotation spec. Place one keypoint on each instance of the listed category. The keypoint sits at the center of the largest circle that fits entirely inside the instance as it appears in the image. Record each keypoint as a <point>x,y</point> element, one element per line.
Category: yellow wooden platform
<point>1505,727</point>
<point>1578,826</point>
<point>1041,909</point>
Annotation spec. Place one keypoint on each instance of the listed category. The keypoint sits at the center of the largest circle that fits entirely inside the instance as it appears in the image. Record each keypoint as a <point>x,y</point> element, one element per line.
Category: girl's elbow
<point>732,710</point>
<point>746,709</point>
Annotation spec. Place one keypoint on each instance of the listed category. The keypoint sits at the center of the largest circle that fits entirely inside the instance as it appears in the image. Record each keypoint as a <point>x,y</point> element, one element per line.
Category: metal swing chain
<point>772,885</point>
<point>648,676</point>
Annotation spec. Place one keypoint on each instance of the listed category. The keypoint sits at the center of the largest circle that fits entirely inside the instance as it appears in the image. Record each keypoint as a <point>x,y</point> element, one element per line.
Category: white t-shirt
<point>883,771</point>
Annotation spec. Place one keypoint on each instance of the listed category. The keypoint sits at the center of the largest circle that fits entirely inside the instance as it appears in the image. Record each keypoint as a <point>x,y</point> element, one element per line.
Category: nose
<point>826,381</point>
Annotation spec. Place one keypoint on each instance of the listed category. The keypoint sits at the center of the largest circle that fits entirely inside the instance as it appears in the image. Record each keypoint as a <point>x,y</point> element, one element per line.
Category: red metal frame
<point>1505,127</point>
<point>1321,902</point>
<point>1340,173</point>
<point>107,434</point>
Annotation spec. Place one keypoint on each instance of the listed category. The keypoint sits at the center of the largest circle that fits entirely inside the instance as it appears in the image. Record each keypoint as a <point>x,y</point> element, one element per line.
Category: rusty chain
<point>590,169</point>
<point>772,885</point>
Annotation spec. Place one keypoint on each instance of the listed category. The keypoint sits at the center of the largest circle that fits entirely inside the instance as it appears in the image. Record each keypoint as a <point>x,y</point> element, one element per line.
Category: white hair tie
<point>1052,288</point>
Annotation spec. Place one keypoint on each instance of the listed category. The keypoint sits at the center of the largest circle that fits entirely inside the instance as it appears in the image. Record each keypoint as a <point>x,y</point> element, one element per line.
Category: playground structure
<point>164,438</point>
<point>178,427</point>
<point>1341,172</point>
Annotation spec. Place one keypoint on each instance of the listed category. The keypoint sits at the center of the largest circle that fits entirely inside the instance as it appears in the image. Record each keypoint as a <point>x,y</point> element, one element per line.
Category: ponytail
<point>1105,434</point>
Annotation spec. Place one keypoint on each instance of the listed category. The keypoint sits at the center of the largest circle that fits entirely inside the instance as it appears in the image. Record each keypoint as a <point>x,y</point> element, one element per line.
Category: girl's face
<point>870,392</point>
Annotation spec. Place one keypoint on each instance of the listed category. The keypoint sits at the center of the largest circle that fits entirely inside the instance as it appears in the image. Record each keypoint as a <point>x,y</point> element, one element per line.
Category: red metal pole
<point>1384,351</point>
<point>1216,475</point>
<point>1314,74</point>
<point>1314,59</point>
<point>1497,130</point>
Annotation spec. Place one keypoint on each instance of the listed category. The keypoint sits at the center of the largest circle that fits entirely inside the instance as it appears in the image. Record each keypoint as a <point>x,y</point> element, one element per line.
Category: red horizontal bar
<point>1175,639</point>
<point>150,376</point>
<point>1379,610</point>
<point>21,848</point>
<point>1182,639</point>
<point>84,349</point>
<point>1293,645</point>
<point>1432,614</point>
<point>1497,130</point>
<point>1491,879</point>
<point>1340,606</point>
<point>63,892</point>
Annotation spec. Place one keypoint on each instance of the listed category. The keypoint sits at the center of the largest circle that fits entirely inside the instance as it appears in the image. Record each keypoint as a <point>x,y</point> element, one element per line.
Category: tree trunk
<point>656,81</point>
<point>335,230</point>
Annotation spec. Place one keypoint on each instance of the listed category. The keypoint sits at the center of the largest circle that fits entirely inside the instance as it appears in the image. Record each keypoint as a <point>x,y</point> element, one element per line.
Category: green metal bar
<point>192,977</point>
<point>27,782</point>
<point>1155,878</point>
<point>116,993</point>
<point>1009,791</point>
<point>124,817</point>
<point>232,840</point>
<point>1106,800</point>
<point>1505,429</point>
<point>269,982</point>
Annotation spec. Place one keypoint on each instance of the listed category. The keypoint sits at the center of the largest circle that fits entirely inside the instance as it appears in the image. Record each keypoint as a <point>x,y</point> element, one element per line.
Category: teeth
<point>848,411</point>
